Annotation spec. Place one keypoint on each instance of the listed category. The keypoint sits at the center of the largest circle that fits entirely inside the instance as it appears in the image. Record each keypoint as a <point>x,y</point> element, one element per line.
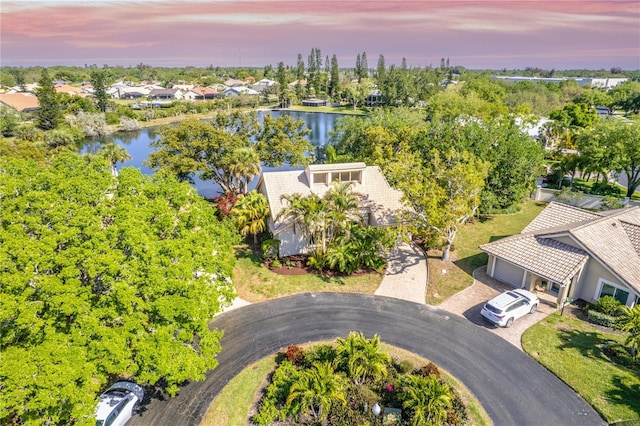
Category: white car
<point>118,403</point>
<point>507,307</point>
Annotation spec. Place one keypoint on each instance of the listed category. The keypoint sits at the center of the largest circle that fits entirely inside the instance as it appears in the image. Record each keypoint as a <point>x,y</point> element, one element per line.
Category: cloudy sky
<point>479,34</point>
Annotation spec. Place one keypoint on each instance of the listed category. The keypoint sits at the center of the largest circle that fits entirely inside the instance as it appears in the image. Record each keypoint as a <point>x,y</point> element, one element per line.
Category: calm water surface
<point>137,144</point>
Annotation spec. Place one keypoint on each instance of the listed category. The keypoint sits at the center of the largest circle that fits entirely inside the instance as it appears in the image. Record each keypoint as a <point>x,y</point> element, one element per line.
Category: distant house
<point>262,85</point>
<point>201,93</point>
<point>165,94</point>
<point>65,88</point>
<point>568,252</point>
<point>22,102</point>
<point>232,82</point>
<point>315,102</point>
<point>240,90</point>
<point>374,98</point>
<point>380,204</point>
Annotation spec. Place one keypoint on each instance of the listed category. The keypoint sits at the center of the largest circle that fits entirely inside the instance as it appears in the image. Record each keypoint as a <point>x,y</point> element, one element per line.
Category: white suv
<point>118,403</point>
<point>507,307</point>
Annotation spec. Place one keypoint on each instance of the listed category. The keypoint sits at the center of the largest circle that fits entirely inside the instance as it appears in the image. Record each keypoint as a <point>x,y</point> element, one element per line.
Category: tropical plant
<point>250,212</point>
<point>315,391</point>
<point>629,322</point>
<point>427,398</point>
<point>114,154</point>
<point>361,358</point>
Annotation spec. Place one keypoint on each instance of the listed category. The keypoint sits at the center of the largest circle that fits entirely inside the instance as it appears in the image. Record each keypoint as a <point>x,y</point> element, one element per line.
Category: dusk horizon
<point>496,34</point>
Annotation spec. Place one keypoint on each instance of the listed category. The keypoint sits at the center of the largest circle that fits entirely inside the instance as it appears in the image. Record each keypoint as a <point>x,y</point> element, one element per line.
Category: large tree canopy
<point>102,278</point>
<point>230,148</point>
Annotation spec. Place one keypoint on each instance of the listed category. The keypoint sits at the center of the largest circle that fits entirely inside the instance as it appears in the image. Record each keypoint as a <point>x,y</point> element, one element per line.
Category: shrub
<point>600,318</point>
<point>430,370</point>
<point>295,354</point>
<point>610,202</point>
<point>270,249</point>
<point>569,196</point>
<point>405,366</point>
<point>608,305</point>
<point>275,263</point>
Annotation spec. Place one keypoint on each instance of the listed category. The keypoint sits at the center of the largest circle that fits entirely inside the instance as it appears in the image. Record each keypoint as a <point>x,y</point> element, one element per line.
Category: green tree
<point>629,322</point>
<point>49,115</point>
<point>334,81</point>
<point>103,278</point>
<point>114,154</point>
<point>229,149</point>
<point>250,212</point>
<point>98,80</point>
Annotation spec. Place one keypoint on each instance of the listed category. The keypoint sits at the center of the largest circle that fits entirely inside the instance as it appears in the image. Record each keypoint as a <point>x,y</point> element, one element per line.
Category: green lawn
<point>572,350</point>
<point>467,256</point>
<point>255,283</point>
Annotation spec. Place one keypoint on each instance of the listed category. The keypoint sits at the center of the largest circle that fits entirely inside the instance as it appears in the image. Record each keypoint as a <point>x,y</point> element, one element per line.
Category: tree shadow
<point>626,395</point>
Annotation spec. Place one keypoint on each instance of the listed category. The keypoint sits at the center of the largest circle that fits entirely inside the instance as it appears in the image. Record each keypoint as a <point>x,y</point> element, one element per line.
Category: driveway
<point>513,388</point>
<point>468,303</point>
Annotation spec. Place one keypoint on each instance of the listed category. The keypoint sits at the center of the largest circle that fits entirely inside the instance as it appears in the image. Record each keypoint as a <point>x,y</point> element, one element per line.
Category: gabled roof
<point>20,101</point>
<point>382,201</point>
<point>612,237</point>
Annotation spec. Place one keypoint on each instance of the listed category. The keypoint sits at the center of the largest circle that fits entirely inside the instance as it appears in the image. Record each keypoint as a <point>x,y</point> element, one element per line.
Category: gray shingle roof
<point>612,237</point>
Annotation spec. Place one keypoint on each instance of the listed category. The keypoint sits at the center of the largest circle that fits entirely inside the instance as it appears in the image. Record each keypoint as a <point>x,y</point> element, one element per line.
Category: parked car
<point>118,403</point>
<point>507,307</point>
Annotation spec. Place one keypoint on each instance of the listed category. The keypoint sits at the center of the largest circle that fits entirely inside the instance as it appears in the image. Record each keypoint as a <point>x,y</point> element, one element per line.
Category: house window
<point>320,178</point>
<point>555,288</point>
<point>615,292</point>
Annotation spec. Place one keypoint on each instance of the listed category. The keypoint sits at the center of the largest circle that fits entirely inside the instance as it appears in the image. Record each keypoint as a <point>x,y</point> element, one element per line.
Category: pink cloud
<point>559,34</point>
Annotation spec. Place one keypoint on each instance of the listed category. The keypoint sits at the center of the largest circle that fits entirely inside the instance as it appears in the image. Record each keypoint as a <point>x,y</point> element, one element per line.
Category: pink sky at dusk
<point>479,34</point>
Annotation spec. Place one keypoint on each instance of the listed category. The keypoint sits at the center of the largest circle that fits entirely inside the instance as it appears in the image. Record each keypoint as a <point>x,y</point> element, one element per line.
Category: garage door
<point>508,273</point>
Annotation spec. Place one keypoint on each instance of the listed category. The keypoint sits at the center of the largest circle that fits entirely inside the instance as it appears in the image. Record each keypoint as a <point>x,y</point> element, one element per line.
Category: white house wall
<point>291,243</point>
<point>591,276</point>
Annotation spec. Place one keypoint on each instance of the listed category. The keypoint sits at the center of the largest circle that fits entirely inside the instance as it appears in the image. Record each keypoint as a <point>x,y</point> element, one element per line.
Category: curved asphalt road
<point>513,388</point>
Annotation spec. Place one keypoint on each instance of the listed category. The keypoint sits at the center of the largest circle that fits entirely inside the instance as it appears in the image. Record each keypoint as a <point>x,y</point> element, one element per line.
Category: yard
<point>448,278</point>
<point>576,351</point>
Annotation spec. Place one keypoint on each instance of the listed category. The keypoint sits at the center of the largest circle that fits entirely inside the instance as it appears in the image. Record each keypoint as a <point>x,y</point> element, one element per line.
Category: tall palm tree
<point>427,398</point>
<point>307,214</point>
<point>316,391</point>
<point>115,154</point>
<point>250,211</point>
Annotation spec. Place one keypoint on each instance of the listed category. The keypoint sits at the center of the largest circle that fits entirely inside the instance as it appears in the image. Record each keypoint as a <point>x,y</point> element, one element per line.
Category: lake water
<point>137,144</point>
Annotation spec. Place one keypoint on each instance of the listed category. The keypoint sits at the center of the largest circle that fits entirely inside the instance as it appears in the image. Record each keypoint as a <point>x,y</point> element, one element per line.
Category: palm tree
<point>241,165</point>
<point>316,390</point>
<point>629,322</point>
<point>250,212</point>
<point>115,154</point>
<point>362,358</point>
<point>427,398</point>
<point>307,213</point>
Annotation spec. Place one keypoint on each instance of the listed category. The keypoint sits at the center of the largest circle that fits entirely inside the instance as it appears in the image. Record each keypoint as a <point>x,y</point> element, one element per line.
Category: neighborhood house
<point>380,204</point>
<point>571,253</point>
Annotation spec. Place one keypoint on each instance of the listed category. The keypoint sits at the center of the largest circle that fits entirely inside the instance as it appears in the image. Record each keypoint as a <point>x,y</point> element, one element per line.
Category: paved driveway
<point>468,303</point>
<point>513,388</point>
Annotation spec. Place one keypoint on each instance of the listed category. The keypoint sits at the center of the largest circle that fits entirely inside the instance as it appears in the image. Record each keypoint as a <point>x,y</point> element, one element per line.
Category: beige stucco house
<point>380,204</point>
<point>571,253</point>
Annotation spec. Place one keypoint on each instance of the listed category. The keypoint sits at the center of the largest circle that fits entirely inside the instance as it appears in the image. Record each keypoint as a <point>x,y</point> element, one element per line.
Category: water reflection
<point>137,145</point>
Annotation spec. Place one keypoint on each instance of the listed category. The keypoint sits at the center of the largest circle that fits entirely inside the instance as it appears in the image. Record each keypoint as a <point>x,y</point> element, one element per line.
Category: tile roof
<point>611,237</point>
<point>383,201</point>
<point>20,101</point>
<point>535,254</point>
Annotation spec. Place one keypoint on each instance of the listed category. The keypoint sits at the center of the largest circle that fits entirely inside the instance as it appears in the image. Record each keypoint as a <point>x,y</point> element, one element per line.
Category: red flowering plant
<point>224,203</point>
